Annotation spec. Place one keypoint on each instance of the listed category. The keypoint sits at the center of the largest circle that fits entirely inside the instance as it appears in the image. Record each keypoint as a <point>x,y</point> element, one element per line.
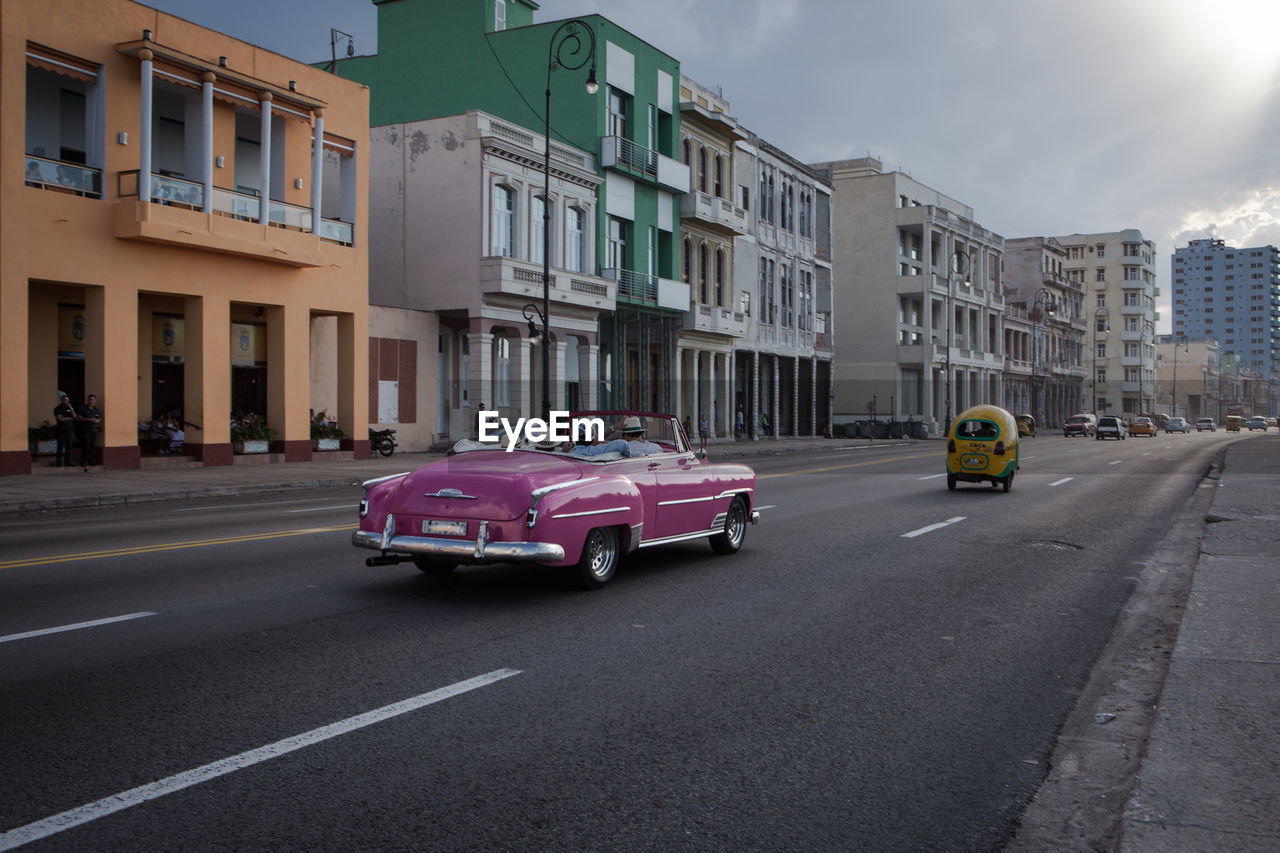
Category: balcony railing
<point>618,152</point>
<point>64,177</point>
<point>179,192</point>
<point>636,286</point>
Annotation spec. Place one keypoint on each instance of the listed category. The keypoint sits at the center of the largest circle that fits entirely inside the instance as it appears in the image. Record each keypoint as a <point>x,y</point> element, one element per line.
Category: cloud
<point>1248,219</point>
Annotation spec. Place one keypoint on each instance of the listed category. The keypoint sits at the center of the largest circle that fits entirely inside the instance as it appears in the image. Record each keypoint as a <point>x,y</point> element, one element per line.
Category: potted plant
<point>326,435</point>
<point>43,439</point>
<point>251,436</point>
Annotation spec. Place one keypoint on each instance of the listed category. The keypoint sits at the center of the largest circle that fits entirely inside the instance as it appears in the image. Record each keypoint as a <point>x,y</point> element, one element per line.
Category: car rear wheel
<point>428,566</point>
<point>735,529</point>
<point>951,482</point>
<point>599,558</point>
<point>1008,482</point>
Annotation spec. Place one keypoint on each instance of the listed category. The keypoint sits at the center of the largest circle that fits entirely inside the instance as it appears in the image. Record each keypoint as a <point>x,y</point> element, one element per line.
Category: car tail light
<point>999,448</point>
<point>951,445</point>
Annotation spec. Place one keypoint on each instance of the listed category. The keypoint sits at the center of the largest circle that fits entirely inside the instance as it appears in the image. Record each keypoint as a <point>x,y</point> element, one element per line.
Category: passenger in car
<point>638,445</point>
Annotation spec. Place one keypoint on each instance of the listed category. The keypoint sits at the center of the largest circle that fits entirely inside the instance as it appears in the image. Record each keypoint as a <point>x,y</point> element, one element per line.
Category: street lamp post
<point>567,35</point>
<point>959,266</point>
<point>1043,297</point>
<point>1173,395</point>
<point>1100,313</point>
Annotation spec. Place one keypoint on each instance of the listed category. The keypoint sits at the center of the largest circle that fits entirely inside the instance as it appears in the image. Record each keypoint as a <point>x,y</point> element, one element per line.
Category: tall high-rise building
<point>1232,296</point>
<point>1117,273</point>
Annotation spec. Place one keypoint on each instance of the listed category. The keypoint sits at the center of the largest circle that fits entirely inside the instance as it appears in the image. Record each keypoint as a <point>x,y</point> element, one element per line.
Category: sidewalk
<point>72,488</point>
<point>1210,779</point>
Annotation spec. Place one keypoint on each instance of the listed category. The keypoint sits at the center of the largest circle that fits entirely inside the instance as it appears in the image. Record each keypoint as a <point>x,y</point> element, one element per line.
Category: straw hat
<point>632,425</point>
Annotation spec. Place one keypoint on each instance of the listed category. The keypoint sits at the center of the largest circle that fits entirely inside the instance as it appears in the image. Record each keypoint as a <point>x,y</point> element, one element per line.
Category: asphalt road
<point>884,666</point>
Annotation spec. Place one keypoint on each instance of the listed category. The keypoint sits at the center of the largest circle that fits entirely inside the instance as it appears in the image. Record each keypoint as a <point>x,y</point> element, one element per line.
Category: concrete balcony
<point>717,320</point>
<point>714,211</point>
<point>636,161</point>
<point>523,279</point>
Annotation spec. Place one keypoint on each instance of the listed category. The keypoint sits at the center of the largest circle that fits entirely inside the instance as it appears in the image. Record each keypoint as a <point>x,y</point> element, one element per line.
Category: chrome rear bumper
<point>461,550</point>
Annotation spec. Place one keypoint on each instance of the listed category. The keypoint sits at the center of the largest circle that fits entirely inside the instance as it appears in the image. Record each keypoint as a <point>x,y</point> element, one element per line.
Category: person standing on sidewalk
<point>88,417</point>
<point>739,425</point>
<point>704,431</point>
<point>479,419</point>
<point>64,415</point>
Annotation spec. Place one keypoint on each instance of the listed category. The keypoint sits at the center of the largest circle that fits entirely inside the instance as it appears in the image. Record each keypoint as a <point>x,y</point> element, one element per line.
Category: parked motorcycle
<point>383,440</point>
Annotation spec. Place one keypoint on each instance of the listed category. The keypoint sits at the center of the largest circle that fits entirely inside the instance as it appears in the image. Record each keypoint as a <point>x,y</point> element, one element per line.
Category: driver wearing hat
<point>633,432</point>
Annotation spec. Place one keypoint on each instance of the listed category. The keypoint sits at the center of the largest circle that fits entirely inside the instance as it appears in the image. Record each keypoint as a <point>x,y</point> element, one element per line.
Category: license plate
<point>445,528</point>
<point>973,461</point>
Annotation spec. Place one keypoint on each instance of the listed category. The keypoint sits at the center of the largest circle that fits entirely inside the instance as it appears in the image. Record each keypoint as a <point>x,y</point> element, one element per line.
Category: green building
<point>440,58</point>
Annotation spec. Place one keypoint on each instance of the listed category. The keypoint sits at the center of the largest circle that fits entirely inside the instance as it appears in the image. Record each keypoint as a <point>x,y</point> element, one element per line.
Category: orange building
<point>233,282</point>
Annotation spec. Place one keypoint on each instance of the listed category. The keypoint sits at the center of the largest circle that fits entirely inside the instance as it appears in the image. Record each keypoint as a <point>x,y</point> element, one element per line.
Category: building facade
<point>1189,377</point>
<point>1232,296</point>
<point>1116,271</point>
<point>922,296</point>
<point>474,265</point>
<point>1037,287</point>
<point>784,362</point>
<point>189,234</point>
<point>489,55</point>
<point>712,221</point>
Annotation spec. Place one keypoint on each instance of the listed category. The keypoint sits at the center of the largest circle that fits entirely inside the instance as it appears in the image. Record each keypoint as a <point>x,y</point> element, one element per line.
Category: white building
<point>456,214</point>
<point>920,287</point>
<point>1117,273</point>
<point>1037,287</point>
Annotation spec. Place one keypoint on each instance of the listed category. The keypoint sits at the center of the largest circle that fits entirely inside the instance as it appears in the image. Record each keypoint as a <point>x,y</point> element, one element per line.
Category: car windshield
<point>976,429</point>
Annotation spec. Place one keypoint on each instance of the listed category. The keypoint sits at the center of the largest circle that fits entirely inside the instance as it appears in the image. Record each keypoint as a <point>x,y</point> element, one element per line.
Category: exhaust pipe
<point>385,560</point>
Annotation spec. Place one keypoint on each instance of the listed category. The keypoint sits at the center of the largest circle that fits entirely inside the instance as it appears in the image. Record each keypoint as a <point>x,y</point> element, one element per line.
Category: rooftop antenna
<point>336,35</point>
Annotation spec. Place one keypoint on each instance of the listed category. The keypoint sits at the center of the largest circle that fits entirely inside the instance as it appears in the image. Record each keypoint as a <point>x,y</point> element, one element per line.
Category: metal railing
<point>168,190</point>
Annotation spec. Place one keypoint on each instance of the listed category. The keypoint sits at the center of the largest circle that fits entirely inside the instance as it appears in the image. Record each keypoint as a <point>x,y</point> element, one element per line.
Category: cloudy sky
<point>1044,117</point>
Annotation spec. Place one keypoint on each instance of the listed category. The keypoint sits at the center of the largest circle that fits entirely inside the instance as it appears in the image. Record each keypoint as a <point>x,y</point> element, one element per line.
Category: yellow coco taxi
<point>983,447</point>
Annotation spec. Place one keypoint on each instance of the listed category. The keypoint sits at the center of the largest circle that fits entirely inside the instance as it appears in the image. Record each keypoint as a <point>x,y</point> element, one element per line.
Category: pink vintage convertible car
<point>483,504</point>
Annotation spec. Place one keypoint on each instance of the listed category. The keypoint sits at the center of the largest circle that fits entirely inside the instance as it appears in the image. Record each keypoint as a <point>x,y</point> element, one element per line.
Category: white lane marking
<point>76,627</point>
<point>1025,457</point>
<point>136,796</point>
<point>1063,480</point>
<point>1117,462</point>
<point>768,506</point>
<point>932,476</point>
<point>349,506</point>
<point>933,527</point>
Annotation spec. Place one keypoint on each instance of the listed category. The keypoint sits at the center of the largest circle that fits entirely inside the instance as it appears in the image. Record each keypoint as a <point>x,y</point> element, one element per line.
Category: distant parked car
<point>1177,425</point>
<point>1271,422</point>
<point>1081,424</point>
<point>1111,428</point>
<point>1257,422</point>
<point>1203,424</point>
<point>1143,426</point>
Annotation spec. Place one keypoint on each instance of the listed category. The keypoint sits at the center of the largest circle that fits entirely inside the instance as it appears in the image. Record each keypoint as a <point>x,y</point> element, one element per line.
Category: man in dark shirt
<point>64,416</point>
<point>88,419</point>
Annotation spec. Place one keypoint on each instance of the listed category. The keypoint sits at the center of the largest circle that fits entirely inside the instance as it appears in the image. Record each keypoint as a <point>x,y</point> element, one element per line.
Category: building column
<point>353,384</point>
<point>479,377</point>
<point>289,380</point>
<point>317,170</point>
<point>557,374</point>
<point>813,397</point>
<point>678,407</point>
<point>144,140</point>
<point>111,370</point>
<point>773,406</point>
<point>522,401</point>
<point>795,395</point>
<point>206,390</point>
<point>206,151</point>
<point>589,375</point>
<point>264,202</point>
<point>753,411</point>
